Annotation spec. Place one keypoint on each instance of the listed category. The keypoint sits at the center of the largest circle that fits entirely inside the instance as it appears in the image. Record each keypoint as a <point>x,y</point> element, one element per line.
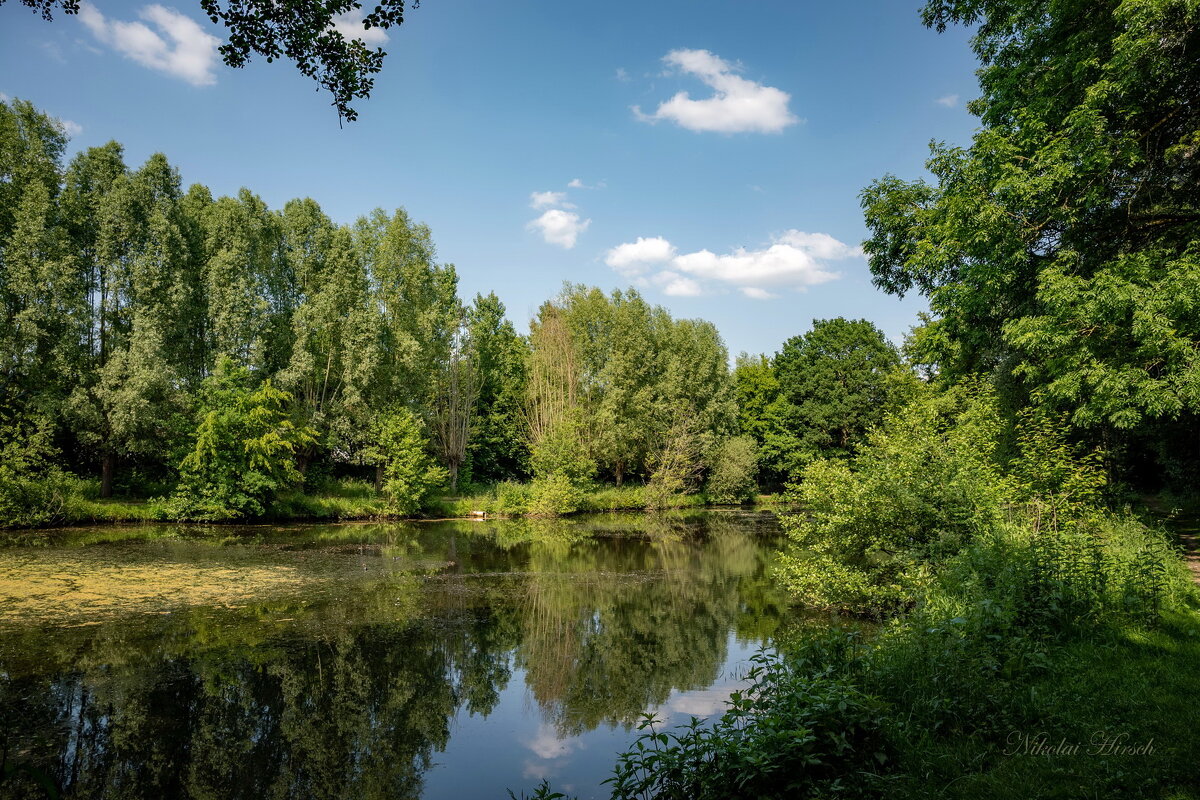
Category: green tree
<point>498,447</point>
<point>1058,251</point>
<point>732,471</point>
<point>418,302</point>
<point>834,384</point>
<point>243,453</point>
<point>401,447</point>
<point>335,347</point>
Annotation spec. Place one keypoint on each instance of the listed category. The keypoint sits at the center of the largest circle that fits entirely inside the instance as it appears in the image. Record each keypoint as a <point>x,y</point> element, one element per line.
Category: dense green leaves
<point>1059,251</point>
<point>242,456</point>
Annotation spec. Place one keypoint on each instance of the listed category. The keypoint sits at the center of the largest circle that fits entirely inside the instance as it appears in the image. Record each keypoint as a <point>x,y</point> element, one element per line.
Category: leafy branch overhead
<point>301,30</point>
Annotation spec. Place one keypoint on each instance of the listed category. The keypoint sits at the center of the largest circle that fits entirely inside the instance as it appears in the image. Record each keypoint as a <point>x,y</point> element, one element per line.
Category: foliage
<point>1058,251</point>
<point>243,454</point>
<point>833,384</point>
<point>923,485</point>
<point>410,475</point>
<point>677,466</point>
<point>554,495</point>
<point>629,375</point>
<point>563,452</point>
<point>302,32</point>
<point>33,490</point>
<point>731,471</point>
<point>802,728</point>
<point>818,396</point>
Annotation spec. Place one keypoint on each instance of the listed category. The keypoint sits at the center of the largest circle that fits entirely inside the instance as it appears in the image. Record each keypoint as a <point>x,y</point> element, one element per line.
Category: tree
<point>409,474</point>
<point>498,447</point>
<point>304,32</point>
<point>1059,251</point>
<point>243,453</point>
<point>455,393</point>
<point>334,337</point>
<point>833,382</point>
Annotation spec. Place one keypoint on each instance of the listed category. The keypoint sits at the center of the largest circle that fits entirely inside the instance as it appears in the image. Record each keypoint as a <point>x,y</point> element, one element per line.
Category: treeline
<point>216,353</point>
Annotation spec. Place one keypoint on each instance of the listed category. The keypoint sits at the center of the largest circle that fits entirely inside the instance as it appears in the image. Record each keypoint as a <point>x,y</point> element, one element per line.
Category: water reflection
<point>434,660</point>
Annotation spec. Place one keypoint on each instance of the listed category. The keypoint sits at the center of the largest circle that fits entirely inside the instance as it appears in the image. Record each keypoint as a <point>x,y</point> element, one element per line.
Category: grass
<point>352,499</point>
<point>1129,687</point>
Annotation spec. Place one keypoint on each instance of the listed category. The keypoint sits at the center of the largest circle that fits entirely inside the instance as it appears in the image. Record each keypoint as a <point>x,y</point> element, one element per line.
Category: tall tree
<point>1059,251</point>
<point>834,381</point>
<point>335,332</point>
<point>498,447</point>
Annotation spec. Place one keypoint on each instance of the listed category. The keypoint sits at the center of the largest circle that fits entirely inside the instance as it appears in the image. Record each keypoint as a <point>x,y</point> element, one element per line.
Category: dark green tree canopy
<point>1061,251</point>
<point>835,380</point>
<point>301,30</point>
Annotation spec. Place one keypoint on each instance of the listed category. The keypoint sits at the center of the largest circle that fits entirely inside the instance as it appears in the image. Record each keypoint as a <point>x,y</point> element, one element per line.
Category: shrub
<point>33,491</point>
<point>554,496</point>
<point>801,729</point>
<point>676,468</point>
<point>243,452</point>
<point>410,474</point>
<point>922,486</point>
<point>731,473</point>
<point>562,451</point>
<point>512,498</point>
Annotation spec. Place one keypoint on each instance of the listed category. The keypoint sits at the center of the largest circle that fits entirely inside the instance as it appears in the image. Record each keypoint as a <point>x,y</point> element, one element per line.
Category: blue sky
<point>743,191</point>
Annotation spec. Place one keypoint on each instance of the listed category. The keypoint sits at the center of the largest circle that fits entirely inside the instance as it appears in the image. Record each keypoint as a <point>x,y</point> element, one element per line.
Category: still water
<point>432,660</point>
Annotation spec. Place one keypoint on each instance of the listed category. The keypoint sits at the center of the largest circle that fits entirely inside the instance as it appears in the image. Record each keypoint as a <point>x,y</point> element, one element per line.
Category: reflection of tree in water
<point>609,630</point>
<point>354,694</point>
<point>186,708</point>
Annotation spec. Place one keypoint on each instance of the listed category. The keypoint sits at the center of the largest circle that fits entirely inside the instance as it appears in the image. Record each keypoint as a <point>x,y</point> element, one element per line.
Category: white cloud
<point>71,129</point>
<point>632,258</point>
<point>622,75</point>
<point>675,285</point>
<point>560,227</point>
<point>820,245</point>
<point>547,744</point>
<point>549,200</point>
<point>3,97</point>
<point>350,25</point>
<point>793,260</point>
<point>737,105</point>
<point>190,54</point>
<point>949,101</point>
<point>577,183</point>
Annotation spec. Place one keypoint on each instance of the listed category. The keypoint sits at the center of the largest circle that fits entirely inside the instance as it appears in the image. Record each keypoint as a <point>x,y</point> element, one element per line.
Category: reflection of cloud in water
<point>701,703</point>
<point>547,745</point>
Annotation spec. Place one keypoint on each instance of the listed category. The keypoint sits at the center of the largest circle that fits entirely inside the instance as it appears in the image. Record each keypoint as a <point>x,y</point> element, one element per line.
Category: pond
<point>434,660</point>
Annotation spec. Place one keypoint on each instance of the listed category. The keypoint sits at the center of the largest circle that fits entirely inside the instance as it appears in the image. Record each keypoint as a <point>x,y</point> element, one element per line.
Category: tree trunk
<point>619,470</point>
<point>378,477</point>
<point>108,465</point>
<point>453,477</point>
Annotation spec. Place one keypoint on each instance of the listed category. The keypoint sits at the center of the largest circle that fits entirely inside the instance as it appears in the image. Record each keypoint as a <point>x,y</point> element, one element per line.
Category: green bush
<point>33,490</point>
<point>410,475</point>
<point>512,498</point>
<point>731,473</point>
<point>562,451</point>
<point>243,452</point>
<point>919,489</point>
<point>554,496</point>
<point>801,729</point>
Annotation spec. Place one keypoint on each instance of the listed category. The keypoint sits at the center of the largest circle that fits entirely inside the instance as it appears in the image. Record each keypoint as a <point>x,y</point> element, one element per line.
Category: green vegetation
<point>217,360</point>
<point>1035,638</point>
